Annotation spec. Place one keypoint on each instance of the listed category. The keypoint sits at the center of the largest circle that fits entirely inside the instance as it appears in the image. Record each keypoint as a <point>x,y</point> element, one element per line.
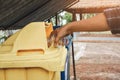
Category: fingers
<point>61,42</point>
<point>55,42</point>
<point>56,37</point>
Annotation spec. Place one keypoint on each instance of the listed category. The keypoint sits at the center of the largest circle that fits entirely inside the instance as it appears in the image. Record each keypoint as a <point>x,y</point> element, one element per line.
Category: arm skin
<point>96,23</point>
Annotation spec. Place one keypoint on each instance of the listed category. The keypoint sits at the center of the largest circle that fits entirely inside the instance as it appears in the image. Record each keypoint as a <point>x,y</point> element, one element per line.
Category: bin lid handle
<point>27,51</point>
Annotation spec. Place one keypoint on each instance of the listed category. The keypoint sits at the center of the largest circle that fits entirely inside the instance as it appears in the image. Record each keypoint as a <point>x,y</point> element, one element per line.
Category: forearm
<point>97,23</point>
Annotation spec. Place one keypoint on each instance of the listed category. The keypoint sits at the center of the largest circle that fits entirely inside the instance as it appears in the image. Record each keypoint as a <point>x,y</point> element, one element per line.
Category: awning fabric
<point>15,14</point>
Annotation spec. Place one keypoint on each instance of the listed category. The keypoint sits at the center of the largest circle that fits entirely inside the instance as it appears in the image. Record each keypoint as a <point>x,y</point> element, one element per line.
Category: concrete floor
<point>97,61</point>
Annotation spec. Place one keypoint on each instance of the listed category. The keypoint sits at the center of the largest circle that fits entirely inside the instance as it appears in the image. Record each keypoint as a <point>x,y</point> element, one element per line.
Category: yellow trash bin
<point>26,56</point>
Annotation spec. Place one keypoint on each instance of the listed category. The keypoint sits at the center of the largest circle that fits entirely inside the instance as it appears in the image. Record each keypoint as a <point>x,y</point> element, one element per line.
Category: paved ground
<point>97,61</point>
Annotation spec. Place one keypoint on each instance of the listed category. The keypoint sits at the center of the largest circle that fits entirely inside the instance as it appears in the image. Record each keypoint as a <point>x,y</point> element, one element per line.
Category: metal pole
<point>73,60</point>
<point>49,20</point>
<point>56,19</point>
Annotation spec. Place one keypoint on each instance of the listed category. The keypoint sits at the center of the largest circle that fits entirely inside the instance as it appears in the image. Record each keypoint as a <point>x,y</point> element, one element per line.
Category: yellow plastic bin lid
<point>28,48</point>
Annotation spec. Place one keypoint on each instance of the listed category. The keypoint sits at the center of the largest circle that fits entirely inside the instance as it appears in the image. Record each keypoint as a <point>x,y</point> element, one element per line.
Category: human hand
<point>57,37</point>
